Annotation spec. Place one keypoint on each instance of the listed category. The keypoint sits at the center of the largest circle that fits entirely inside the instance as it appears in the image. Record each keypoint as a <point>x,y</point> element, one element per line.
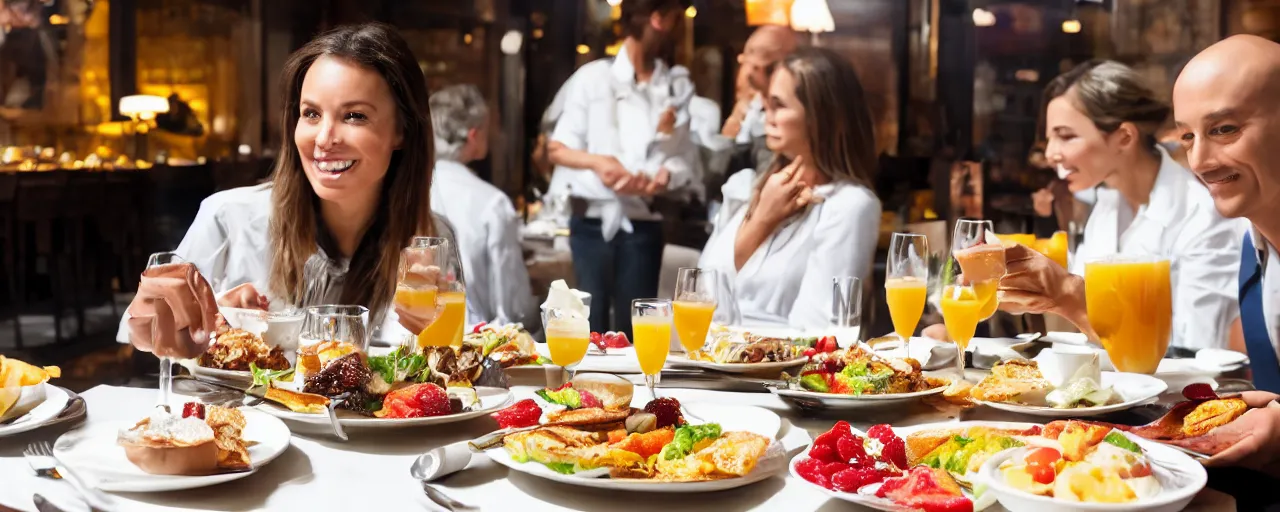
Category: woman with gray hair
<point>1101,121</point>
<point>487,227</point>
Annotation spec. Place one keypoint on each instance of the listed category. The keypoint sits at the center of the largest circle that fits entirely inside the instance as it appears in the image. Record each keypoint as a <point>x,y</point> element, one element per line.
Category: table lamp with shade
<point>812,16</point>
<point>142,109</point>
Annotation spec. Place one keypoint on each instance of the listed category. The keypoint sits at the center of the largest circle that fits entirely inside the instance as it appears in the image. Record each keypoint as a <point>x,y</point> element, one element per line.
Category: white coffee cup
<point>1066,360</point>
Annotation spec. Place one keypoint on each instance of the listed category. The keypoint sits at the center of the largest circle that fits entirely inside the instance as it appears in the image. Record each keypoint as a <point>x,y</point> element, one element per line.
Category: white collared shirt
<point>787,281</point>
<point>488,234</point>
<point>1179,222</point>
<point>607,113</point>
<point>752,122</point>
<point>229,242</point>
<point>1269,259</point>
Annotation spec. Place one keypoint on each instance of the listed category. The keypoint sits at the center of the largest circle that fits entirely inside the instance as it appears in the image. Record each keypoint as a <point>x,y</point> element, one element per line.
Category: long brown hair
<point>837,119</point>
<point>404,209</point>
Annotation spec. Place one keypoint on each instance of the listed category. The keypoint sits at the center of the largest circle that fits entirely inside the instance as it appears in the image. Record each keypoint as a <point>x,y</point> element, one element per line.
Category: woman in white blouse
<point>1101,120</point>
<point>351,188</point>
<point>813,215</point>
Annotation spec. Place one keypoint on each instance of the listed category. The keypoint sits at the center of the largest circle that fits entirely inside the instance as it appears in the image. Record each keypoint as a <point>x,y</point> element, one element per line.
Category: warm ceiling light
<point>691,12</point>
<point>466,39</point>
<point>537,33</point>
<point>812,16</point>
<point>615,2</point>
<point>983,18</point>
<point>583,49</point>
<point>511,42</point>
<point>58,19</point>
<point>1071,26</point>
<point>143,106</point>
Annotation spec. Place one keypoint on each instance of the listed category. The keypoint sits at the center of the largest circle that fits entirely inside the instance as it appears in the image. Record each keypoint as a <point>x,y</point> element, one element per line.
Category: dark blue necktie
<point>1262,355</point>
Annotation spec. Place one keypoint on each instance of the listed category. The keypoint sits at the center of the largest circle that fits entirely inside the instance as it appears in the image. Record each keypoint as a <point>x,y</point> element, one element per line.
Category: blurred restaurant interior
<point>117,117</point>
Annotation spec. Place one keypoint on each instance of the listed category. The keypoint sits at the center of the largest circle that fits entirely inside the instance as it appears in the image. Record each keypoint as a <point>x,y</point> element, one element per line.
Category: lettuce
<point>563,468</point>
<point>1118,439</point>
<point>814,382</point>
<point>398,365</point>
<point>858,379</point>
<point>686,438</point>
<point>567,397</point>
<point>264,377</point>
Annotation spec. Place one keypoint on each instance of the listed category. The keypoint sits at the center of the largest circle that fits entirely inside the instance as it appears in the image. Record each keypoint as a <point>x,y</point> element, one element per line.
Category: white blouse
<point>787,281</point>
<point>1178,222</point>
<point>230,244</point>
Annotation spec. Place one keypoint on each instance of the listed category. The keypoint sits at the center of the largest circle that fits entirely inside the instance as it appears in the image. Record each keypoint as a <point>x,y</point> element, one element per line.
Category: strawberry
<point>619,341</point>
<point>809,352</point>
<point>588,399</point>
<point>850,480</point>
<point>810,469</point>
<point>190,409</point>
<point>843,428</point>
<point>432,400</point>
<point>828,438</point>
<point>524,413</point>
<point>851,451</point>
<point>598,340</point>
<point>895,451</point>
<point>823,453</point>
<point>831,468</point>
<point>881,432</point>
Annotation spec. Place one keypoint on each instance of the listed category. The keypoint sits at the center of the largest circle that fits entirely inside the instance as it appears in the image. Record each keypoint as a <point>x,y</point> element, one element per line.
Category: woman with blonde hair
<point>813,215</point>
<point>349,191</point>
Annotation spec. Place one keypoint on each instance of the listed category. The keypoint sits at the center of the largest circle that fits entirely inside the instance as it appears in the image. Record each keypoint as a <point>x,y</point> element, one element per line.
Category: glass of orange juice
<point>568,336</point>
<point>694,306</point>
<point>651,321</point>
<point>1130,304</point>
<point>980,257</point>
<point>962,309</point>
<point>906,282</point>
<point>431,285</point>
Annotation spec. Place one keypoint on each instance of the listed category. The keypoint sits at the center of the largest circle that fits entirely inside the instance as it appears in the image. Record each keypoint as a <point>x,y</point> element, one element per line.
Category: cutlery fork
<point>40,457</point>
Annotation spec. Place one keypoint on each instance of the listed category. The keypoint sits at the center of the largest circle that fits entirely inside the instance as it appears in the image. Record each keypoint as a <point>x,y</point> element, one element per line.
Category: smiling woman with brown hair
<point>813,215</point>
<point>350,189</point>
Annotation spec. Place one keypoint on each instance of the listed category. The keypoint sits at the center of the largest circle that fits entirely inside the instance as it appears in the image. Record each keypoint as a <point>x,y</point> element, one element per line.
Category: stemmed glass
<point>651,325</point>
<point>694,306</point>
<point>906,282</point>
<point>160,259</point>
<point>431,284</point>
<point>568,336</point>
<point>962,308</point>
<point>981,259</point>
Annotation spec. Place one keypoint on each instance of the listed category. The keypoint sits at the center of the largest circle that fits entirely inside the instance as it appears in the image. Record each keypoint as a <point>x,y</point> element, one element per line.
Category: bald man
<point>745,125</point>
<point>1226,105</point>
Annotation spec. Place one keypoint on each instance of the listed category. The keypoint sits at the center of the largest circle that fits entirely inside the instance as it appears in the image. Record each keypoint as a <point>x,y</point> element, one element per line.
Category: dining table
<point>371,469</point>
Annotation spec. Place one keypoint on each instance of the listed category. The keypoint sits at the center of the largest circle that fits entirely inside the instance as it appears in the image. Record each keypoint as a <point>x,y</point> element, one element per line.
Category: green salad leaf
<point>567,397</point>
<point>858,379</point>
<point>814,382</point>
<point>264,377</point>
<point>563,468</point>
<point>1118,439</point>
<point>685,439</point>
<point>398,365</point>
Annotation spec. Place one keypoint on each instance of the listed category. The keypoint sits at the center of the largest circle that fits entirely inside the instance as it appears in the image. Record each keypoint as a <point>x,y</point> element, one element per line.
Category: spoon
<point>334,402</point>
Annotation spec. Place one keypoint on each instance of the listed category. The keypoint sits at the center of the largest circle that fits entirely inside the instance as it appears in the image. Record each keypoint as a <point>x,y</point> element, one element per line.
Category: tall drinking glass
<point>1130,304</point>
<point>166,363</point>
<point>962,309</point>
<point>345,324</point>
<point>651,325</point>
<point>846,310</point>
<point>694,306</point>
<point>906,282</point>
<point>981,258</point>
<point>431,277</point>
<point>568,336</point>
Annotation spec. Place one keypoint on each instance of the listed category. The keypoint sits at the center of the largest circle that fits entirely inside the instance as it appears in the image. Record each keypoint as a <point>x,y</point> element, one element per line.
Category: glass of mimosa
<point>431,285</point>
<point>962,309</point>
<point>1130,305</point>
<point>568,336</point>
<point>906,282</point>
<point>651,326</point>
<point>980,256</point>
<point>694,306</point>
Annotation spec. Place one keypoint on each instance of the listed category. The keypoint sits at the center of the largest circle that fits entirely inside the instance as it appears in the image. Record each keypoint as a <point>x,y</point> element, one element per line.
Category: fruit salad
<point>1094,464</point>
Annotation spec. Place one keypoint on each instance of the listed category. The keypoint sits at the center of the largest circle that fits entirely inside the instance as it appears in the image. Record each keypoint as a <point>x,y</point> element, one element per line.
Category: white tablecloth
<point>371,471</point>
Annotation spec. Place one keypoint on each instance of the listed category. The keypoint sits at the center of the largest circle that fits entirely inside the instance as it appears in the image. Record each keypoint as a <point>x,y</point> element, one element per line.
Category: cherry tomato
<point>809,352</point>
<point>1042,474</point>
<point>1044,456</point>
<point>479,326</point>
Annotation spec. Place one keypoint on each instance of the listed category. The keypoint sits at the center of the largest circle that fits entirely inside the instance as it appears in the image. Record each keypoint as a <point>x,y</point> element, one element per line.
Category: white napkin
<point>565,300</point>
<point>446,460</point>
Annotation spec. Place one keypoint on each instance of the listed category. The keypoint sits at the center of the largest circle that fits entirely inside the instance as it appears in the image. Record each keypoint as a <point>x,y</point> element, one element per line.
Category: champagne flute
<point>981,258</point>
<point>568,337</point>
<point>166,363</point>
<point>962,309</point>
<point>431,276</point>
<point>694,306</point>
<point>906,282</point>
<point>651,325</point>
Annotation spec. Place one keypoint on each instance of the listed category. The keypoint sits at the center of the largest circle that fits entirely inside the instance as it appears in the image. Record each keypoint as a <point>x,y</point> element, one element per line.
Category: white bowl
<point>1180,476</point>
<point>277,329</point>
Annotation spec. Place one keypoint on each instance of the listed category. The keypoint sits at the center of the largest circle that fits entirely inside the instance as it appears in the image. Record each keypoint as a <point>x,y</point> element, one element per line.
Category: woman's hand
<point>1258,436</point>
<point>784,193</point>
<point>1036,284</point>
<point>244,296</point>
<point>422,273</point>
<point>174,312</point>
<point>1043,201</point>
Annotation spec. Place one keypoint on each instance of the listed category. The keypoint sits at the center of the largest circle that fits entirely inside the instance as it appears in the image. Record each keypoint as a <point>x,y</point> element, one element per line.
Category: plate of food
<point>234,352</point>
<point>509,344</point>
<point>872,469</point>
<point>1019,386</point>
<point>664,447</point>
<point>1195,426</point>
<point>856,378</point>
<point>1093,467</point>
<point>744,352</point>
<point>406,387</point>
<point>27,400</point>
<point>203,445</point>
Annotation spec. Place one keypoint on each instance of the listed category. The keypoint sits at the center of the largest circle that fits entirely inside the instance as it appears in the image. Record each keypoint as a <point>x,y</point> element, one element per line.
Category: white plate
<point>816,400</point>
<point>678,360</point>
<point>93,451</point>
<point>227,376</point>
<point>1134,390</point>
<point>730,417</point>
<point>1180,476</point>
<point>54,401</point>
<point>491,399</point>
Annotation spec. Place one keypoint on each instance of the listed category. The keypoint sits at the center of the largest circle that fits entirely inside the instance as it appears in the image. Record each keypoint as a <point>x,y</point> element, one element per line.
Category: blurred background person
<point>486,226</point>
<point>622,138</point>
<point>813,216</point>
<point>1101,122</point>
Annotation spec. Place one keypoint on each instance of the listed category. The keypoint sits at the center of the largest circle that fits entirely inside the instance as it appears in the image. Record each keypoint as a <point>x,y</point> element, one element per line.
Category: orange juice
<point>981,262</point>
<point>906,298</point>
<point>1131,308</point>
<point>986,291</point>
<point>692,320</point>
<point>652,342</point>
<point>416,298</point>
<point>567,340</point>
<point>447,328</point>
<point>961,311</point>
<point>1026,239</point>
<point>1056,248</point>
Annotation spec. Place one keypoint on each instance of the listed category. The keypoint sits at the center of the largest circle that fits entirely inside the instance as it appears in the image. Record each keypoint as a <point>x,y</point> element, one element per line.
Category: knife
<point>43,505</point>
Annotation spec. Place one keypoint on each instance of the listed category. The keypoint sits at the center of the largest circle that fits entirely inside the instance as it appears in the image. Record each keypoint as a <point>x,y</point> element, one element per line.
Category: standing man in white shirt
<point>487,227</point>
<point>623,138</point>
